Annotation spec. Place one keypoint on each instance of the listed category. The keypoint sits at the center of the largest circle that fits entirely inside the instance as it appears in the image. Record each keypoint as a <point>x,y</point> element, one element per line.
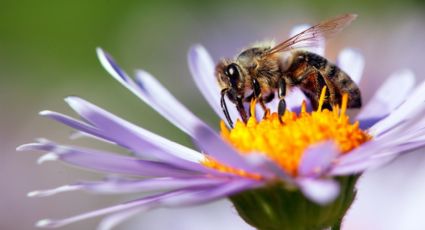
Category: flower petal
<point>105,161</point>
<point>410,107</point>
<point>317,159</point>
<point>352,62</point>
<point>141,204</point>
<point>130,135</point>
<point>166,104</point>
<point>169,199</point>
<point>385,99</point>
<point>147,89</point>
<point>201,66</point>
<point>375,158</point>
<point>121,186</point>
<point>321,191</point>
<point>113,220</point>
<point>196,197</point>
<point>212,144</point>
<point>142,142</point>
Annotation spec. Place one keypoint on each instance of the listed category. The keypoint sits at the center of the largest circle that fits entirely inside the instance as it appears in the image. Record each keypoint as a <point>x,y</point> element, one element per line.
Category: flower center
<point>285,142</point>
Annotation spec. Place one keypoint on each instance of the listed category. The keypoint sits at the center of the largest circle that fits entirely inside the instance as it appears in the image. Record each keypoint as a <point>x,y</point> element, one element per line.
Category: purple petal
<point>201,67</point>
<point>170,199</point>
<point>111,66</point>
<point>294,100</point>
<point>132,136</point>
<point>375,159</point>
<point>321,191</point>
<point>268,167</point>
<point>358,167</point>
<point>114,220</point>
<point>385,100</point>
<point>145,87</point>
<point>105,161</point>
<point>120,186</point>
<point>71,122</point>
<point>51,192</point>
<point>317,159</point>
<point>166,104</point>
<point>202,196</point>
<point>212,144</point>
<point>318,49</point>
<point>413,104</point>
<point>141,204</point>
<point>352,62</point>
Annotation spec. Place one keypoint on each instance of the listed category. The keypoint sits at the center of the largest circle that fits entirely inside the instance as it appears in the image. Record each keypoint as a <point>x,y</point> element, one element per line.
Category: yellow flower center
<point>285,142</point>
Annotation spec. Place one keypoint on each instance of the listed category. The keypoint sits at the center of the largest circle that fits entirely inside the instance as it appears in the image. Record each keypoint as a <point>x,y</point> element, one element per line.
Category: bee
<point>262,70</point>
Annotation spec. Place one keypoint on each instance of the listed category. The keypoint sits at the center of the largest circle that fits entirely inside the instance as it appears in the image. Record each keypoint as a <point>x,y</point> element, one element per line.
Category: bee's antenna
<point>224,107</point>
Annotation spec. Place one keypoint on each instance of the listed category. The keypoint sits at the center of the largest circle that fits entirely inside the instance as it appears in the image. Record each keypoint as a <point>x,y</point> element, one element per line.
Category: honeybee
<point>261,71</point>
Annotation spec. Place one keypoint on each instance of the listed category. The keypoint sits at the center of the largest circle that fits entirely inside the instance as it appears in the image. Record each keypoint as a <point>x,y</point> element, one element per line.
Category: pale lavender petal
<point>114,220</point>
<point>170,199</point>
<point>51,192</point>
<point>166,104</point>
<point>148,89</point>
<point>358,167</point>
<point>133,137</point>
<point>321,191</point>
<point>294,100</point>
<point>105,161</point>
<point>375,159</point>
<point>201,66</point>
<point>318,49</point>
<point>141,204</point>
<point>111,66</point>
<point>212,144</point>
<point>202,196</point>
<point>269,168</point>
<point>352,62</point>
<point>121,186</point>
<point>390,95</point>
<point>143,143</point>
<point>410,107</point>
<point>71,122</point>
<point>317,159</point>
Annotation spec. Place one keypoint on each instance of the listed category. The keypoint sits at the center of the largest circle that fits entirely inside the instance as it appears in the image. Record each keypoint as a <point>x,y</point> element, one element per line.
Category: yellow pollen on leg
<point>285,142</point>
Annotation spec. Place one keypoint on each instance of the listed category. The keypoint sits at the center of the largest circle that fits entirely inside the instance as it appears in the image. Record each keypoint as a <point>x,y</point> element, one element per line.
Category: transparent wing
<point>312,36</point>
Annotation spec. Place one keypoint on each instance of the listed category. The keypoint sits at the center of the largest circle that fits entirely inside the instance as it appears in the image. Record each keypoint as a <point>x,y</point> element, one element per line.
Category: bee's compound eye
<point>232,72</point>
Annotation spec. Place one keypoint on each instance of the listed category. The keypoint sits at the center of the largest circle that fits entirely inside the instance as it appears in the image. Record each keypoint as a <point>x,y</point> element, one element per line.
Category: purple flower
<point>176,175</point>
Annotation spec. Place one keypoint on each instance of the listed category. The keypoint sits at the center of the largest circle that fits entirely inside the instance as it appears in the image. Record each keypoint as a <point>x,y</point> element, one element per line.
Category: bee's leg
<point>241,110</point>
<point>224,108</point>
<point>281,92</point>
<point>322,82</point>
<point>257,94</point>
<point>313,76</point>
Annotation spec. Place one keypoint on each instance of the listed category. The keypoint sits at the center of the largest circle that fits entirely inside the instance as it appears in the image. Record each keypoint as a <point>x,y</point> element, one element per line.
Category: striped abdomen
<point>311,72</point>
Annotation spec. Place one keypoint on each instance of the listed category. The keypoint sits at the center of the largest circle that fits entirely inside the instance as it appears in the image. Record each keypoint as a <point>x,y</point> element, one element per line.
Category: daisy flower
<point>299,174</point>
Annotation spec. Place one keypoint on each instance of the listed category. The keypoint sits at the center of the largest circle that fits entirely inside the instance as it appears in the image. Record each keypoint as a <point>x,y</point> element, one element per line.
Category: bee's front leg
<point>241,109</point>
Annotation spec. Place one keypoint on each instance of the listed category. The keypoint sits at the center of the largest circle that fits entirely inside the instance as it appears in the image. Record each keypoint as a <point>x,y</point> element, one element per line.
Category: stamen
<point>285,142</point>
<point>322,98</point>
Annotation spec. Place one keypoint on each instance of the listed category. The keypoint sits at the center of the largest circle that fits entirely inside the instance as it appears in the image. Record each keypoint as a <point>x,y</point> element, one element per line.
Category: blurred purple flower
<point>174,173</point>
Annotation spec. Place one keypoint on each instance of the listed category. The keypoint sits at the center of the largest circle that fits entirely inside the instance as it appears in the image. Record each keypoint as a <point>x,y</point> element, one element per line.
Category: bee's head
<point>230,79</point>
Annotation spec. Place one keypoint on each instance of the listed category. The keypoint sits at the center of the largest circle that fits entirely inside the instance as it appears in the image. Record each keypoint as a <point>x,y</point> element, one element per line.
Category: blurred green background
<point>47,52</point>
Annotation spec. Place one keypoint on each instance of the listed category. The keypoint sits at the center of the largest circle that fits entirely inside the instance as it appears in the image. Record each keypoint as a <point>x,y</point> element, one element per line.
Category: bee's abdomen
<point>342,84</point>
<point>336,80</point>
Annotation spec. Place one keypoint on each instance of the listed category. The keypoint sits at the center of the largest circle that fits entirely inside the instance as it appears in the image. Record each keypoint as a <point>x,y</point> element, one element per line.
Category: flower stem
<point>337,225</point>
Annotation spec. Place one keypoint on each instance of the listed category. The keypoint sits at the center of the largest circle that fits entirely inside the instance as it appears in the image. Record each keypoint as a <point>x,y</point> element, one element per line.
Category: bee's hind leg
<point>281,92</point>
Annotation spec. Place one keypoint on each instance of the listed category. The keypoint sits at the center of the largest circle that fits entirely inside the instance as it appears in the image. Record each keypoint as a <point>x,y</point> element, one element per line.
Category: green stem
<point>337,225</point>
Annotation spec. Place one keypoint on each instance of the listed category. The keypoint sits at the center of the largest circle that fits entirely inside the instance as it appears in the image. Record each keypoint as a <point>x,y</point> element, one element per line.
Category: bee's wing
<point>312,36</point>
